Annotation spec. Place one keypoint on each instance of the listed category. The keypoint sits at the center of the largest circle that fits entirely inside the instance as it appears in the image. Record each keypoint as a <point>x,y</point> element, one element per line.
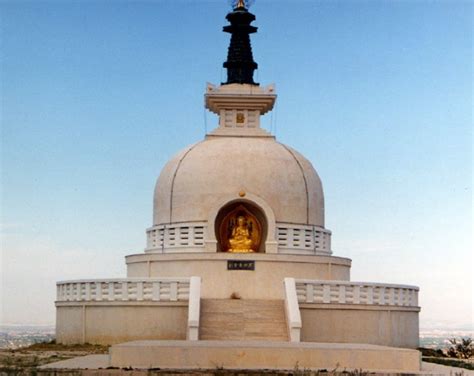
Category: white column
<point>78,291</point>
<point>342,294</point>
<point>88,291</point>
<point>289,237</point>
<point>309,293</point>
<point>313,244</point>
<point>370,295</point>
<point>194,308</point>
<point>174,291</point>
<point>125,290</point>
<point>67,291</point>
<point>400,297</point>
<point>98,291</point>
<point>391,296</point>
<point>293,315</point>
<point>326,294</point>
<point>139,290</point>
<point>191,235</point>
<point>356,295</point>
<point>111,291</point>
<point>381,295</point>
<point>156,291</point>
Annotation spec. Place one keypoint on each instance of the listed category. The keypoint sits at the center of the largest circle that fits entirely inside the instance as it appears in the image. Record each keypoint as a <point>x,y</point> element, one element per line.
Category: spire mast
<point>240,64</point>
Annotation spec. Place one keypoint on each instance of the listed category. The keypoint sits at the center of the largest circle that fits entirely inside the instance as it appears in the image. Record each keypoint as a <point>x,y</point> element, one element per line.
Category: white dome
<point>198,178</point>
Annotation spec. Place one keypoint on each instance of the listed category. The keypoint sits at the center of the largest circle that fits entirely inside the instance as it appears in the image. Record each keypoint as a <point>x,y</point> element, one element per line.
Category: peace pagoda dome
<point>226,169</point>
<point>241,165</point>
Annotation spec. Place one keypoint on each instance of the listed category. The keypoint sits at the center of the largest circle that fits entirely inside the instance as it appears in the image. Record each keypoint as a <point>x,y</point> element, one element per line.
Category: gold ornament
<point>240,241</point>
<point>240,118</point>
<point>240,231</point>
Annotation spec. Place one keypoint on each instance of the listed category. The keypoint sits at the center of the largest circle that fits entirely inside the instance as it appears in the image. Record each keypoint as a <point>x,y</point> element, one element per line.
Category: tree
<point>464,349</point>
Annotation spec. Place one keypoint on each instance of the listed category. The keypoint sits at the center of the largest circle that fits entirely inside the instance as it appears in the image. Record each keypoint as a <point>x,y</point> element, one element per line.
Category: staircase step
<point>243,319</point>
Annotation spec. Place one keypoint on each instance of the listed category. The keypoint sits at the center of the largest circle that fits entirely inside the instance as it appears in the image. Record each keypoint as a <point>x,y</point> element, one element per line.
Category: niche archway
<point>254,222</point>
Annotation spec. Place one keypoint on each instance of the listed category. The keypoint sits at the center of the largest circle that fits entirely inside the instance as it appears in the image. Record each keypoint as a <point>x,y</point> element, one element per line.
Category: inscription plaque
<point>240,265</point>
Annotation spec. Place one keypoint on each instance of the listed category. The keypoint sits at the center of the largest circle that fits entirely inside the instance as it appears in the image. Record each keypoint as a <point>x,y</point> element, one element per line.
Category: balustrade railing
<point>180,236</point>
<point>194,309</point>
<point>124,289</point>
<point>292,310</point>
<point>187,236</point>
<point>303,239</point>
<point>345,292</point>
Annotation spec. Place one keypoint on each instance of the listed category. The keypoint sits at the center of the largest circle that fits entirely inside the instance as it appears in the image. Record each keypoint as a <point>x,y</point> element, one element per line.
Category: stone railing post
<point>98,291</point>
<point>192,333</point>
<point>111,291</point>
<point>155,291</point>
<point>293,316</point>
<point>415,298</point>
<point>174,291</point>
<point>326,293</point>
<point>88,291</point>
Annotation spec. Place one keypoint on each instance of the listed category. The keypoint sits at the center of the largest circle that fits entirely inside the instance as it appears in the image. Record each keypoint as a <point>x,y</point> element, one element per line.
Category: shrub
<point>462,349</point>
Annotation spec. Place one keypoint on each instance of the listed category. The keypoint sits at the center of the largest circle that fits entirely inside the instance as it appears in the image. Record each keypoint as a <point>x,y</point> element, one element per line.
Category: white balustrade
<point>194,309</point>
<point>291,238</point>
<point>345,292</point>
<point>124,289</point>
<point>292,310</point>
<point>298,238</point>
<point>175,236</point>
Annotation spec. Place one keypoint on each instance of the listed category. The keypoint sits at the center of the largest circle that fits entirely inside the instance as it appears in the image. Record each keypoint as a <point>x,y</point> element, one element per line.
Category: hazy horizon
<point>16,336</point>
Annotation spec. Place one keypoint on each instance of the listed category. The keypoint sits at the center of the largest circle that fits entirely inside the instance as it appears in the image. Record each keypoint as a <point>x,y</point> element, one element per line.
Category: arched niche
<point>268,244</point>
<point>254,223</point>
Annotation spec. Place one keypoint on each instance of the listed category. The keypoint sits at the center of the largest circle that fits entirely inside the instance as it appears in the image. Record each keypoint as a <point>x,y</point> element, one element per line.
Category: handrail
<point>124,289</point>
<point>346,292</point>
<point>131,279</point>
<point>194,309</point>
<point>293,316</point>
<point>336,282</point>
<point>177,235</point>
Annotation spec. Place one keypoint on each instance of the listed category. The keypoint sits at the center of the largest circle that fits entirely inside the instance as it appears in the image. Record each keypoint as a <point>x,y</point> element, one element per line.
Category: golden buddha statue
<point>240,241</point>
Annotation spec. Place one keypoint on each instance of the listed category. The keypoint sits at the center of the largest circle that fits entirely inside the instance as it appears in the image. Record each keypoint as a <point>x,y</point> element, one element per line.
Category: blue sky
<point>98,95</point>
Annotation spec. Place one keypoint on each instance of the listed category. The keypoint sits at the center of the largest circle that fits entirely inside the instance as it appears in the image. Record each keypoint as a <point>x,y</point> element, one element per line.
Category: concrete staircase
<point>243,320</point>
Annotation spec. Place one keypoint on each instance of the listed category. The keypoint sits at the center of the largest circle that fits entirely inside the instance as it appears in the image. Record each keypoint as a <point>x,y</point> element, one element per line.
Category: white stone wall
<point>108,323</point>
<point>219,283</point>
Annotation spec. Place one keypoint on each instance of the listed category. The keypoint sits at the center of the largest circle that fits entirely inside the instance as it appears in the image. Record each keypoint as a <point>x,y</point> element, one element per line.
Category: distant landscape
<point>439,338</point>
<point>16,336</point>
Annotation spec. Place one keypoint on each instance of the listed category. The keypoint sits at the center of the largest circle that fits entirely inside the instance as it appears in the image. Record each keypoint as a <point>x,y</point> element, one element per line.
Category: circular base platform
<point>250,275</point>
<point>264,355</point>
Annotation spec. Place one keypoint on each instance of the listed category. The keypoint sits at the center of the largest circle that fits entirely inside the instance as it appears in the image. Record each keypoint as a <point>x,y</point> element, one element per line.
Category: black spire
<point>240,64</point>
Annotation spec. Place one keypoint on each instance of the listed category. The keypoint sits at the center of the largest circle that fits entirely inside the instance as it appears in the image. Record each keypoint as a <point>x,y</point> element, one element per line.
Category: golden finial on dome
<point>241,4</point>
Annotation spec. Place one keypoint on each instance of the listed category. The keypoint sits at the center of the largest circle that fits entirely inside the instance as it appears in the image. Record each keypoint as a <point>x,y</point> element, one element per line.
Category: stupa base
<point>263,355</point>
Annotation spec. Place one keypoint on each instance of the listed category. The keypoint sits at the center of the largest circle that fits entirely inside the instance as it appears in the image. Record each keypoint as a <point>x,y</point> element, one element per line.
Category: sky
<point>96,96</point>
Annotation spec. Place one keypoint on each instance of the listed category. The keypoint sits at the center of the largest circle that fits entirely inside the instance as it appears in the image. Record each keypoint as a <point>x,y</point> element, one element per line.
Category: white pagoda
<point>238,269</point>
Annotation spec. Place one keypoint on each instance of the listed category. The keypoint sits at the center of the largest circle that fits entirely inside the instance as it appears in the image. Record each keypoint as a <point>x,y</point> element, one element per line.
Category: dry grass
<point>25,360</point>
